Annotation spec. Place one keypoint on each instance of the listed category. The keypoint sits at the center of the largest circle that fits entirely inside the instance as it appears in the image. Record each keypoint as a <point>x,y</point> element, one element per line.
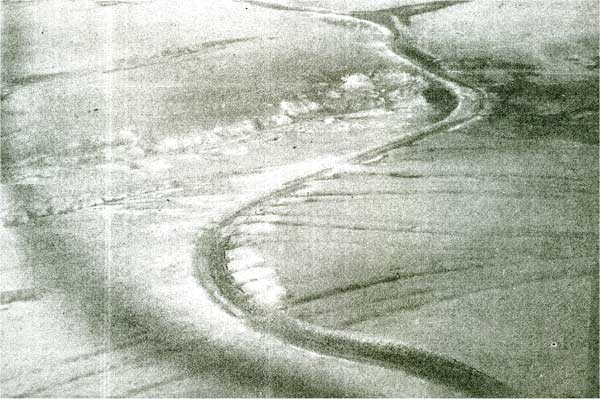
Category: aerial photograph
<point>299,198</point>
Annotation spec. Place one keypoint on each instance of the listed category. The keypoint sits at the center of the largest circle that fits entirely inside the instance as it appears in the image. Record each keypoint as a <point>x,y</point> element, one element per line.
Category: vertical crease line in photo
<point>107,217</point>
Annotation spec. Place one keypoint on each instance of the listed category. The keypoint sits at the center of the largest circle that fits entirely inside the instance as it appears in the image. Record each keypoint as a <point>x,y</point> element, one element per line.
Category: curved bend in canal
<point>300,198</point>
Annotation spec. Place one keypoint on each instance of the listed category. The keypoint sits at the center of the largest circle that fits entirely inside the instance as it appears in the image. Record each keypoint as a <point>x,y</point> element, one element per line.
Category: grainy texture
<point>299,198</point>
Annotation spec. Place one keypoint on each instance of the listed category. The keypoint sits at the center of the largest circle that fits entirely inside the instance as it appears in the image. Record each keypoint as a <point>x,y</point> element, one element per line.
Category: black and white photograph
<point>299,198</point>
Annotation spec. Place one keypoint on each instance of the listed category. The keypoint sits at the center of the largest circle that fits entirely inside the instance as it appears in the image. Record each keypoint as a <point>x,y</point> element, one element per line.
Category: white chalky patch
<point>289,200</point>
<point>265,292</point>
<point>357,81</point>
<point>259,282</point>
<point>293,109</point>
<point>243,258</point>
<point>373,160</point>
<point>280,120</point>
<point>270,218</point>
<point>251,274</point>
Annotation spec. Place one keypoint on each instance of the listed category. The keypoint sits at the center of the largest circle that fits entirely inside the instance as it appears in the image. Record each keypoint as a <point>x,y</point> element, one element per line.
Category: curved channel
<point>211,264</point>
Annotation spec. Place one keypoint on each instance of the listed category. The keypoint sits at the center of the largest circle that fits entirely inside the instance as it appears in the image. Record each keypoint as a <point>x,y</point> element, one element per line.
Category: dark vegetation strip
<point>367,284</point>
<point>404,13</point>
<point>417,230</point>
<point>395,277</point>
<point>153,385</point>
<point>18,295</point>
<point>211,271</point>
<point>280,7</point>
<point>127,63</point>
<point>39,77</point>
<point>38,391</point>
<point>417,303</point>
<point>498,193</point>
<point>173,53</point>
